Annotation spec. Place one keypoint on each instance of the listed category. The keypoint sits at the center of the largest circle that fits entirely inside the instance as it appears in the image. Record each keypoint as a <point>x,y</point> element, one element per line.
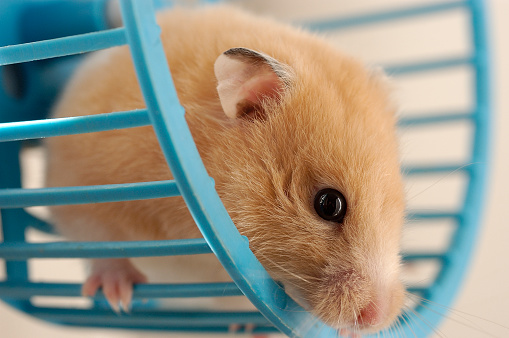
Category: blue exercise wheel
<point>40,45</point>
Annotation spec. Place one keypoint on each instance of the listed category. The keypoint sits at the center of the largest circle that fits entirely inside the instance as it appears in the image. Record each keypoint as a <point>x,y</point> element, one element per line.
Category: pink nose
<point>371,315</point>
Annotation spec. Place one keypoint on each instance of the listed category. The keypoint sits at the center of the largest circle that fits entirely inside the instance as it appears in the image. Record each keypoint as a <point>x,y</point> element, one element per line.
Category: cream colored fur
<point>333,127</point>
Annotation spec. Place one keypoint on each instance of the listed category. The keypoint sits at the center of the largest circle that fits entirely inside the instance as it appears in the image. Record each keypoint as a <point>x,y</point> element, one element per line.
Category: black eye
<point>330,205</point>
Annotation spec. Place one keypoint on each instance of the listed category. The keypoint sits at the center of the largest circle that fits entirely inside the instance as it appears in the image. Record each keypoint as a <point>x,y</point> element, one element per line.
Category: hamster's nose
<point>371,315</point>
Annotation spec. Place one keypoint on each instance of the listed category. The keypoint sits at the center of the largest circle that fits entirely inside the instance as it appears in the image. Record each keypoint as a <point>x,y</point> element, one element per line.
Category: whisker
<point>401,320</point>
<point>356,331</point>
<point>356,316</point>
<point>286,270</point>
<point>469,323</point>
<point>458,312</point>
<point>291,283</point>
<point>390,330</point>
<point>442,178</point>
<point>473,327</point>
<point>408,324</point>
<point>338,324</point>
<point>436,330</point>
<point>400,327</point>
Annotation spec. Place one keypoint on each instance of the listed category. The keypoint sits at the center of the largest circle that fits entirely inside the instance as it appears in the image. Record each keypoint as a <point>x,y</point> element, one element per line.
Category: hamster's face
<point>315,185</point>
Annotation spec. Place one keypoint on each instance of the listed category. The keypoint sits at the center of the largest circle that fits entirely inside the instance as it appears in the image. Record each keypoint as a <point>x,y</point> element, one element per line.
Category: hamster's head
<point>307,165</point>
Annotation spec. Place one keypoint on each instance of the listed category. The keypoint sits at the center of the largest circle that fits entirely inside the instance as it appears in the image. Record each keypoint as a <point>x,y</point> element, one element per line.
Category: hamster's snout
<point>379,312</point>
<point>372,314</point>
<point>348,299</point>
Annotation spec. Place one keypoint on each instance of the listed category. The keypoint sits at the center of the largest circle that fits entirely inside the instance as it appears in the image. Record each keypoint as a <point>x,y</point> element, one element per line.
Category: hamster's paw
<point>247,328</point>
<point>116,278</point>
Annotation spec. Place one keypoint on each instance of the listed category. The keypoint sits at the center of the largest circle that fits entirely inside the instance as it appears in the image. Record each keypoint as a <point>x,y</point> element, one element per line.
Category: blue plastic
<point>23,104</point>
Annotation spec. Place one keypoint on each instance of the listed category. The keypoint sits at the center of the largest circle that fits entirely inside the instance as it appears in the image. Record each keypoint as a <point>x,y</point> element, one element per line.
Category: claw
<point>234,328</point>
<point>116,278</point>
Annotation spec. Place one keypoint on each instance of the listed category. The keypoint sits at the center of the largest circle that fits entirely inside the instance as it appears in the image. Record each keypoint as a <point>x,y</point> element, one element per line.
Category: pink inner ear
<point>263,85</point>
<point>243,85</point>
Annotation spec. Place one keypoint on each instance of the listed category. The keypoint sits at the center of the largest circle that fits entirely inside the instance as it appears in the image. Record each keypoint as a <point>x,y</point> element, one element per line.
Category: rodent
<point>299,138</point>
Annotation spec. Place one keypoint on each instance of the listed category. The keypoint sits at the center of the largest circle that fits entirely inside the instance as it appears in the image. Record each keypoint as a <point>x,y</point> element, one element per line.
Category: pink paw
<point>235,328</point>
<point>116,278</point>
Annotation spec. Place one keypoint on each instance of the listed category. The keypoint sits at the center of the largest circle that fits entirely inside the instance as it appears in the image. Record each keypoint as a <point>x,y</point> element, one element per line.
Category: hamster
<point>299,138</point>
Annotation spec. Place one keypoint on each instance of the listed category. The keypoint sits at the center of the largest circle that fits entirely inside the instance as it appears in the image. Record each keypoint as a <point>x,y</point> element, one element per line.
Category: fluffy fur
<point>332,127</point>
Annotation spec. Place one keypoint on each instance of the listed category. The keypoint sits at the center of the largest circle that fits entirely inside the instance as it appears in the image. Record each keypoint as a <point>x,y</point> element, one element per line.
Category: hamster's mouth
<point>346,301</point>
<point>336,323</point>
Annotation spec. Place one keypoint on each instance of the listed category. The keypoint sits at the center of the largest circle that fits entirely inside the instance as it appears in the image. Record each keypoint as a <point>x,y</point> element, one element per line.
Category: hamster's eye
<point>330,205</point>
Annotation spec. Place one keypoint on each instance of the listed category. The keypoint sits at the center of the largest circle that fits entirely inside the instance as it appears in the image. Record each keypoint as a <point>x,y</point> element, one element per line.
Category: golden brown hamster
<point>299,138</point>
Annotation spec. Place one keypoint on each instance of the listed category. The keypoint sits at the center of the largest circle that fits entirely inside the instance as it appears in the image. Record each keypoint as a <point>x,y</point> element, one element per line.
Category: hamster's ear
<point>245,78</point>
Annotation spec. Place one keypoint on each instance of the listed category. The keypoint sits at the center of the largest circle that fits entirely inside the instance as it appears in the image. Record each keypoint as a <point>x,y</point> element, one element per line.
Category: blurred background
<point>481,310</point>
